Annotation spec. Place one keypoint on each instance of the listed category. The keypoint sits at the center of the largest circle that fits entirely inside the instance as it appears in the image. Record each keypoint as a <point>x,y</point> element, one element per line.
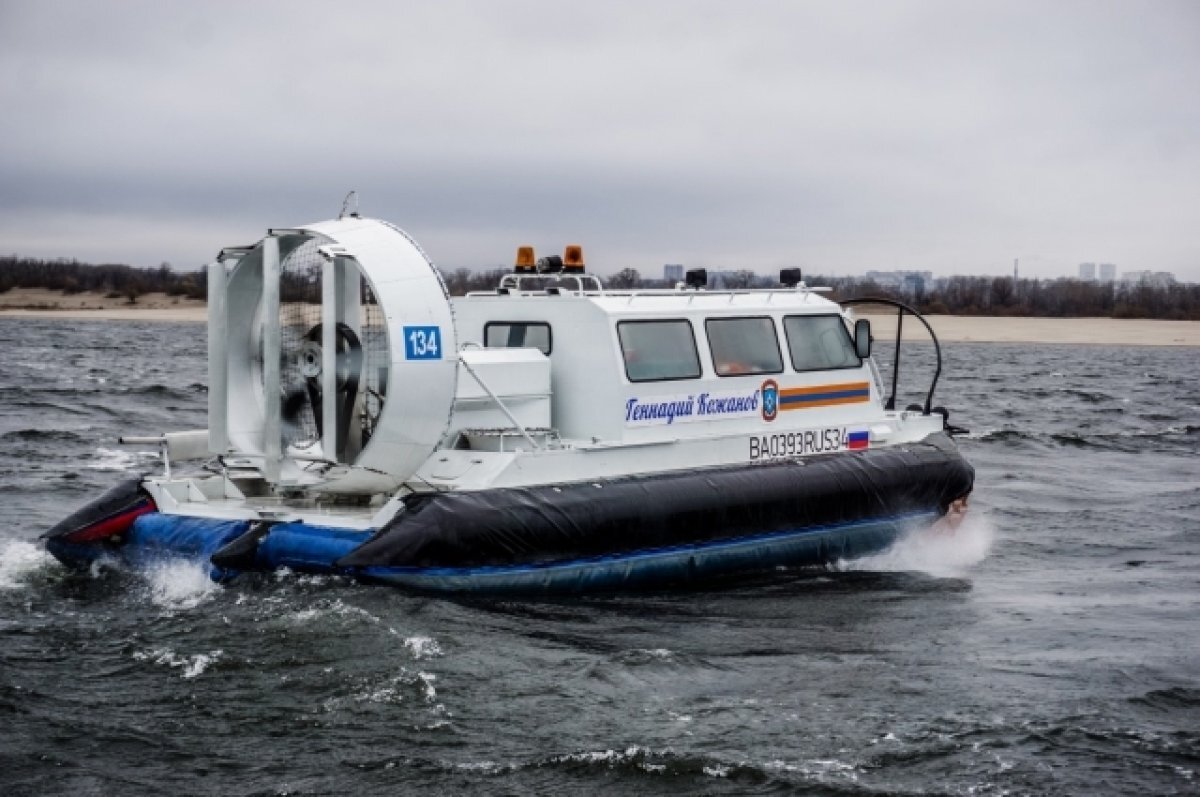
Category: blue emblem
<point>770,400</point>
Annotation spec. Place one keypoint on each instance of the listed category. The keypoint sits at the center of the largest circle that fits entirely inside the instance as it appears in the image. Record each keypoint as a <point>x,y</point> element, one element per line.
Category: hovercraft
<point>550,435</point>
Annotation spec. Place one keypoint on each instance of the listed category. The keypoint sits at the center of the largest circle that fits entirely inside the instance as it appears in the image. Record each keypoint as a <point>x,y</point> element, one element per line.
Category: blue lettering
<point>702,404</point>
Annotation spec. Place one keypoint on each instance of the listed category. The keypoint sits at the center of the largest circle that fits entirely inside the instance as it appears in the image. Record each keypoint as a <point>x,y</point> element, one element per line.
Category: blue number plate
<point>422,343</point>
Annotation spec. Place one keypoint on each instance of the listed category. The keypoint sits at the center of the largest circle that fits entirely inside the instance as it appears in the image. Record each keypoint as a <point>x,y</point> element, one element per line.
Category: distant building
<point>1108,272</point>
<point>1087,272</point>
<point>673,272</point>
<point>1154,279</point>
<point>912,283</point>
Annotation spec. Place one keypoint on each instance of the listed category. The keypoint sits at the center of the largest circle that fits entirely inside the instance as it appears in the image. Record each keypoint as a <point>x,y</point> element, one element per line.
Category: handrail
<point>902,308</point>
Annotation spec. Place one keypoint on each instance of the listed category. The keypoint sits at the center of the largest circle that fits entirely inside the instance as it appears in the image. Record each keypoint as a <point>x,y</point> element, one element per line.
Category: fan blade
<point>348,374</point>
<point>293,404</point>
<point>349,369</point>
<point>315,398</point>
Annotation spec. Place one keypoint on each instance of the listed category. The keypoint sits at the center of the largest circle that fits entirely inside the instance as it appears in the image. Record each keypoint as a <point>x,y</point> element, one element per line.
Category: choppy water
<point>1052,646</point>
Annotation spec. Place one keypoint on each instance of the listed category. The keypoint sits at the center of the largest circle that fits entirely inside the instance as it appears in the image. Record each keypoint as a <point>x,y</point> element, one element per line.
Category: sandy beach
<point>41,303</point>
<point>1003,329</point>
<point>26,303</point>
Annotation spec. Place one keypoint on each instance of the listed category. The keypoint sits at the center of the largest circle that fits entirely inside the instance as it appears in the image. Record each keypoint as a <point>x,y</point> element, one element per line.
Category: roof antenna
<point>353,195</point>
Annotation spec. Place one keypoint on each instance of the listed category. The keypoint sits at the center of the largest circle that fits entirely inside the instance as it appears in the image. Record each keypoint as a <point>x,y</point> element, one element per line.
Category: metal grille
<point>300,319</point>
<point>375,361</point>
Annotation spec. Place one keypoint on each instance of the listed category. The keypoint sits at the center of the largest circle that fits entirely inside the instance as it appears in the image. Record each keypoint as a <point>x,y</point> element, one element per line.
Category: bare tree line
<point>112,280</point>
<point>1059,298</point>
<point>954,295</point>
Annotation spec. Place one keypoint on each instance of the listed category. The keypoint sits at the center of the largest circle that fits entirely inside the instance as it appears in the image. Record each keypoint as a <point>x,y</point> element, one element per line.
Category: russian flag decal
<point>857,441</point>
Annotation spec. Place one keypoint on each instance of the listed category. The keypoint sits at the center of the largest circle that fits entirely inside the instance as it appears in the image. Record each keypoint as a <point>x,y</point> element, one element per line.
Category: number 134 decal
<point>422,343</point>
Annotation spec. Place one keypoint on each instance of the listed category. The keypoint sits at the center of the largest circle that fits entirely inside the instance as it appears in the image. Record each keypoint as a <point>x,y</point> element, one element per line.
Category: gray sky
<point>838,136</point>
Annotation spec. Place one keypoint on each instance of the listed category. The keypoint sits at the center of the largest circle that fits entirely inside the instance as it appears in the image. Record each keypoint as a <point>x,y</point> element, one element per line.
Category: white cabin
<point>645,381</point>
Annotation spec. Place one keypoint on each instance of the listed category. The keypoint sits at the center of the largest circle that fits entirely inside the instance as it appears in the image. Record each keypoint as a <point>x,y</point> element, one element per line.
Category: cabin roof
<point>618,303</point>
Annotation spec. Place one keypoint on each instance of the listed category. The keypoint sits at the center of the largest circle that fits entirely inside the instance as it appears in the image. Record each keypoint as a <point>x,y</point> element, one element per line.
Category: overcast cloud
<point>838,136</point>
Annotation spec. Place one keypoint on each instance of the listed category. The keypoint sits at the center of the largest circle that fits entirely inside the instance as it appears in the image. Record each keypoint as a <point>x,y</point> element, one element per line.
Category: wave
<point>1073,439</point>
<point>999,435</point>
<point>192,666</point>
<point>422,647</point>
<point>1166,699</point>
<point>180,584</point>
<point>19,559</point>
<point>334,609</point>
<point>637,761</point>
<point>937,550</point>
<point>188,392</point>
<point>1122,440</point>
<point>641,656</point>
<point>113,459</point>
<point>44,408</point>
<point>397,688</point>
<point>41,435</point>
<point>164,390</point>
<point>1077,441</point>
<point>1092,397</point>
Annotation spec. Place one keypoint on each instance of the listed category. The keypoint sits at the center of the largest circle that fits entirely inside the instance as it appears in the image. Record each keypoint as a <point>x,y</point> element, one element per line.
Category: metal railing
<point>901,309</point>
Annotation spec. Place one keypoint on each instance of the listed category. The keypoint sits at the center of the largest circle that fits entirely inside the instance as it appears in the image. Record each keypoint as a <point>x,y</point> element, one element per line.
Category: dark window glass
<point>743,346</point>
<point>655,351</point>
<point>517,335</point>
<point>819,342</point>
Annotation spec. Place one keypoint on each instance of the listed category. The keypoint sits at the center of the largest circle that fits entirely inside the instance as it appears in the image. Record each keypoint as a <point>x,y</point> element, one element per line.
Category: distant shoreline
<point>43,303</point>
<point>184,315</point>
<point>1025,329</point>
<point>19,303</point>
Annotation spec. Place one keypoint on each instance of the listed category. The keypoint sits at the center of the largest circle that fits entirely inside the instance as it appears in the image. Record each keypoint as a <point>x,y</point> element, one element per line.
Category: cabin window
<point>517,335</point>
<point>819,343</point>
<point>656,351</point>
<point>743,346</point>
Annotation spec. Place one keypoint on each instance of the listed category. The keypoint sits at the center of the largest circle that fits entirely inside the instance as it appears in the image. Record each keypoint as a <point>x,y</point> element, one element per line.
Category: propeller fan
<point>303,407</point>
<point>306,366</point>
<point>359,362</point>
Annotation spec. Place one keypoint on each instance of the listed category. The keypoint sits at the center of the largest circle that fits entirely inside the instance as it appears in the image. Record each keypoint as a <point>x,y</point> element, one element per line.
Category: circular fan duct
<point>361,357</point>
<point>338,349</point>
